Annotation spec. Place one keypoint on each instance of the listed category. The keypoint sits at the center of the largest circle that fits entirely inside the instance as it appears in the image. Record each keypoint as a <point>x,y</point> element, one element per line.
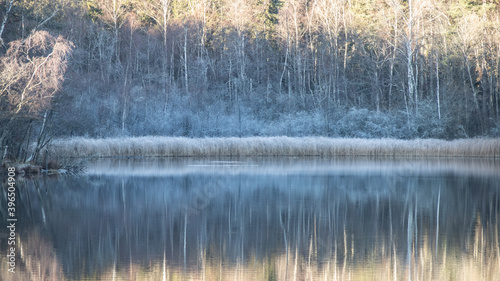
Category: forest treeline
<point>338,68</point>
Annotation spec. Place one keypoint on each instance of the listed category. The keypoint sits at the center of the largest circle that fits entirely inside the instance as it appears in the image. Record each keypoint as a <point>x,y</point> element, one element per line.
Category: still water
<point>260,219</point>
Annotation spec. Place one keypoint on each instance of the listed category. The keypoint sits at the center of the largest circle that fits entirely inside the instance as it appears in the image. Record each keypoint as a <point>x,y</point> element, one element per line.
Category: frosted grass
<point>154,146</point>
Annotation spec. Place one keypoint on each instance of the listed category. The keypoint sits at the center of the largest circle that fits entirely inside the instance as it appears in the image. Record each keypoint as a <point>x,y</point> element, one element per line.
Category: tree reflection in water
<point>260,225</point>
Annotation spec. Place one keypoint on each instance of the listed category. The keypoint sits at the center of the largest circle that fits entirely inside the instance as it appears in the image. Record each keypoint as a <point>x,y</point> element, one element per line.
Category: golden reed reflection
<point>478,260</point>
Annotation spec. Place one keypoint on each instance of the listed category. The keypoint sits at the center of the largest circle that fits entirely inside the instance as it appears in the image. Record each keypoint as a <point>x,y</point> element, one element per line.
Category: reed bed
<point>154,146</point>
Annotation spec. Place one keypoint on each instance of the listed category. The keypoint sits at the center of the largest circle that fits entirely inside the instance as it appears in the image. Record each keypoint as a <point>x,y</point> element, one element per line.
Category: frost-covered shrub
<point>217,113</point>
<point>302,124</point>
<point>362,123</point>
<point>495,130</point>
<point>427,123</point>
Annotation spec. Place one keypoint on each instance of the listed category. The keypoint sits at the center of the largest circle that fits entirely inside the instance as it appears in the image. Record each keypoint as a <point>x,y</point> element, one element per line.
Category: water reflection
<point>262,219</point>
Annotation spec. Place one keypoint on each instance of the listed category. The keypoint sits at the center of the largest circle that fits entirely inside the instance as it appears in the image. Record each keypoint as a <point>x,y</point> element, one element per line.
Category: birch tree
<point>159,11</point>
<point>31,74</point>
<point>113,13</point>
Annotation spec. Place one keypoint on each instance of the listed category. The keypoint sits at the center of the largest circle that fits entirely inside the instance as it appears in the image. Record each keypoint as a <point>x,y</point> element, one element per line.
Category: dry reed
<point>273,146</point>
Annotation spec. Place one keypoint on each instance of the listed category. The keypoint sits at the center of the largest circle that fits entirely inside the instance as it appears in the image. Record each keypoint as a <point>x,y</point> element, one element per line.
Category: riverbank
<point>33,170</point>
<point>152,146</point>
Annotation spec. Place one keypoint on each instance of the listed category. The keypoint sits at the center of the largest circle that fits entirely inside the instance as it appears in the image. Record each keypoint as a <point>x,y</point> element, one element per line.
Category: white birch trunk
<point>4,21</point>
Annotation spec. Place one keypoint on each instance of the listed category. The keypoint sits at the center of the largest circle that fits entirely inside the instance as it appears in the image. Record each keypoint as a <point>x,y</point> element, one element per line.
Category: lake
<point>260,218</point>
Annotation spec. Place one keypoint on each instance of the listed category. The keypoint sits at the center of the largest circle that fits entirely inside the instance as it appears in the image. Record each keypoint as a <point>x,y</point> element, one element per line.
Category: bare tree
<point>330,19</point>
<point>159,11</point>
<point>113,13</point>
<point>31,73</point>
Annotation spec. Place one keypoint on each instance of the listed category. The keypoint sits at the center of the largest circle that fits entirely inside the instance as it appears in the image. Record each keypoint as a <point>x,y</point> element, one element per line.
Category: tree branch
<point>46,20</point>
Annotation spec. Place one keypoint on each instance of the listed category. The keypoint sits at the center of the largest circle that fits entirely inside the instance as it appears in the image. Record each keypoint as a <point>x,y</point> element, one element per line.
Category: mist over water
<point>262,219</point>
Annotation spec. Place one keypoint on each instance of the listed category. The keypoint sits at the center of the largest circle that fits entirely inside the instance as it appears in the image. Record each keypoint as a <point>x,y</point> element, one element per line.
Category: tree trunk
<point>125,101</point>
<point>409,54</point>
<point>285,66</point>
<point>6,131</point>
<point>40,142</point>
<point>4,155</point>
<point>393,59</point>
<point>474,93</point>
<point>4,21</point>
<point>23,148</point>
<point>437,86</point>
<point>185,59</point>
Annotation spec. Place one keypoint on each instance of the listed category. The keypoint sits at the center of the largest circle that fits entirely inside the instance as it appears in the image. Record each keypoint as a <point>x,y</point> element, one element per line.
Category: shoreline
<point>154,146</point>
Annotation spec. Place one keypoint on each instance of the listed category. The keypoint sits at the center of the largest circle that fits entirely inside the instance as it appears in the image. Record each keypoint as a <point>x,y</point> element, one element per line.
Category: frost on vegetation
<point>271,146</point>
